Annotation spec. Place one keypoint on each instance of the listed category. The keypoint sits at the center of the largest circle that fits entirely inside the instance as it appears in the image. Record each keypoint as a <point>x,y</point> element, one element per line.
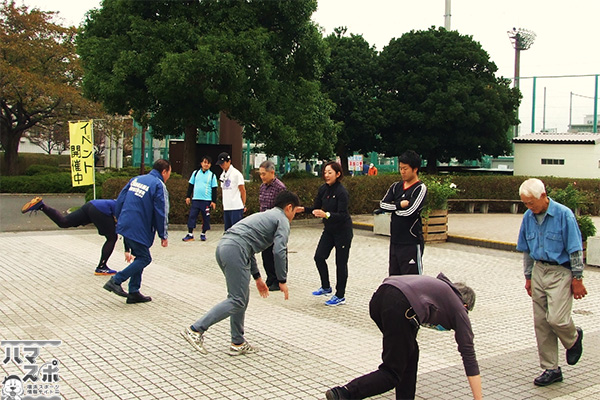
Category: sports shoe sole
<point>188,339</point>
<point>235,353</point>
<point>188,240</point>
<point>30,204</point>
<point>104,273</point>
<point>336,304</point>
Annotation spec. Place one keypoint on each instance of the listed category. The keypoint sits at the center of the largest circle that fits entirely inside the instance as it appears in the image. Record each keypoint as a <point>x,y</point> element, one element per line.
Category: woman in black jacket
<point>331,204</point>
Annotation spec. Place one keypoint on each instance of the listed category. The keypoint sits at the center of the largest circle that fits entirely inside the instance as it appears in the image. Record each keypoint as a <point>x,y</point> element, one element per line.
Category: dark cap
<point>222,158</point>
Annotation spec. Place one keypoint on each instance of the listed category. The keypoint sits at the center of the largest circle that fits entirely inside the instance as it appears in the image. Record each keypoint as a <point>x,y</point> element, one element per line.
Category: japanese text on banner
<point>82,152</point>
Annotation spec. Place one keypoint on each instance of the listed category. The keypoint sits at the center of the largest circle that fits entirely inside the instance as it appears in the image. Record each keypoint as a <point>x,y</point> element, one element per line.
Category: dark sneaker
<point>548,377</point>
<point>337,393</point>
<point>137,297</point>
<point>188,238</point>
<point>203,237</point>
<point>574,353</point>
<point>114,287</point>
<point>274,287</point>
<point>34,204</point>
<point>104,271</point>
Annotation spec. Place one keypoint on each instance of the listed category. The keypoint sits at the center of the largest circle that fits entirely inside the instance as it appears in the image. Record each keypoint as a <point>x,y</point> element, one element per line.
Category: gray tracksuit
<point>235,256</point>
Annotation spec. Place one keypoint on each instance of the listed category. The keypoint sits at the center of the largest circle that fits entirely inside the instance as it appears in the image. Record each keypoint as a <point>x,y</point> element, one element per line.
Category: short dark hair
<point>161,165</point>
<point>411,158</point>
<point>207,158</point>
<point>268,165</point>
<point>286,197</point>
<point>336,167</point>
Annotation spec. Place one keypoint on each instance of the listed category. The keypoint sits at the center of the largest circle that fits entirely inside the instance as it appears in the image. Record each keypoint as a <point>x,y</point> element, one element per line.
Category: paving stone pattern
<point>112,350</point>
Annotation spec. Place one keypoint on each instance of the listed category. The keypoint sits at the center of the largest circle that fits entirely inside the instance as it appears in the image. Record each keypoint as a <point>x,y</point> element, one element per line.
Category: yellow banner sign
<point>81,135</point>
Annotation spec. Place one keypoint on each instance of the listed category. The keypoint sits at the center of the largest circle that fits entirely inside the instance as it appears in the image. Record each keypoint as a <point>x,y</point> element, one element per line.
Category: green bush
<point>37,169</point>
<point>586,226</point>
<point>38,184</point>
<point>569,197</point>
<point>365,191</point>
<point>25,160</point>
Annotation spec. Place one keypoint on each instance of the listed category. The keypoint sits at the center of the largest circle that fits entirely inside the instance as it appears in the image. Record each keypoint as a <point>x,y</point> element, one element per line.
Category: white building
<point>567,155</point>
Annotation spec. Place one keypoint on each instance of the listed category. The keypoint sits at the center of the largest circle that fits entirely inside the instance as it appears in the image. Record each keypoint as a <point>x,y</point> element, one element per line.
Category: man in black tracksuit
<point>405,200</point>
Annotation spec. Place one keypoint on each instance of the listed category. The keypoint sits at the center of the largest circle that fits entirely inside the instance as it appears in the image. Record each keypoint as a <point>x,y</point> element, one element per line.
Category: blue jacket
<point>106,207</point>
<point>143,208</point>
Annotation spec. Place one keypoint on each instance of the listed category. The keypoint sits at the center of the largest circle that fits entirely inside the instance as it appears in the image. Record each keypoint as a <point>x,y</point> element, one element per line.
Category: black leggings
<point>341,241</point>
<point>85,215</point>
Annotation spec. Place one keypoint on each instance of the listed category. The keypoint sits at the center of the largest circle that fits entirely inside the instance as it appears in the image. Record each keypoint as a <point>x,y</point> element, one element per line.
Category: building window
<point>552,161</point>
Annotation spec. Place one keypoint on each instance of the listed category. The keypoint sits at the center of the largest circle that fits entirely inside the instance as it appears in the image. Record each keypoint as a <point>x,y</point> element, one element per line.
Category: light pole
<point>447,15</point>
<point>521,39</point>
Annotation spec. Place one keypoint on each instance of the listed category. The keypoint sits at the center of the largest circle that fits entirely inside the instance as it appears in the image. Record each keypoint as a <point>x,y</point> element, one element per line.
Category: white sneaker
<point>196,339</point>
<point>244,348</point>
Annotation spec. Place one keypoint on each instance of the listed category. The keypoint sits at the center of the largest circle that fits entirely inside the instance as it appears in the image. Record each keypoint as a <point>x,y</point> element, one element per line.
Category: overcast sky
<point>567,41</point>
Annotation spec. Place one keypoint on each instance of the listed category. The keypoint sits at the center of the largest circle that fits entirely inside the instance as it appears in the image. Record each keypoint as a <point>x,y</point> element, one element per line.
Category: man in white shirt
<point>234,191</point>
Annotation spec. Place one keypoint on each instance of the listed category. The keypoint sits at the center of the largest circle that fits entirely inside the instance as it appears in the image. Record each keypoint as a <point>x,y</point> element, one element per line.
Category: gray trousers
<point>235,265</point>
<point>552,304</point>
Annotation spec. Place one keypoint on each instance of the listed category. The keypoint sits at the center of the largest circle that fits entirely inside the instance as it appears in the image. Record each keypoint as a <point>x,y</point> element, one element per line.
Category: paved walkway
<point>111,350</point>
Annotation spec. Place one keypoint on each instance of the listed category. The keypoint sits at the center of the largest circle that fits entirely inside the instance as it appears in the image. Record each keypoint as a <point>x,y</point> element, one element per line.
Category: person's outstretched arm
<point>475,383</point>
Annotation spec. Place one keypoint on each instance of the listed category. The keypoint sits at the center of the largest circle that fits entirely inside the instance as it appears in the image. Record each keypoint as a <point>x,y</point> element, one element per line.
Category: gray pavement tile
<point>114,350</point>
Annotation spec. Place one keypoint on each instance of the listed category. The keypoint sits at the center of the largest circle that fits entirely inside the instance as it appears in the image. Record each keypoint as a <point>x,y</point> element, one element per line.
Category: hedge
<point>366,191</point>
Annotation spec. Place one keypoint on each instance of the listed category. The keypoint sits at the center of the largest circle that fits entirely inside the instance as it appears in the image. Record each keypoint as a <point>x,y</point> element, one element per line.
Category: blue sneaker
<point>322,292</point>
<point>203,237</point>
<point>335,301</point>
<point>104,271</point>
<point>188,238</point>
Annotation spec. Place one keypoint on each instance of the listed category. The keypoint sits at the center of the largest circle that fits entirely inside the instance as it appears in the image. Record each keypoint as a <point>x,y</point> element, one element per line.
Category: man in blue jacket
<point>142,210</point>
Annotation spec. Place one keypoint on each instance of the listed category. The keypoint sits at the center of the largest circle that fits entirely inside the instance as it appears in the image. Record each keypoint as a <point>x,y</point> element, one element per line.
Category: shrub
<point>569,197</point>
<point>586,226</point>
<point>25,160</point>
<point>38,184</point>
<point>37,169</point>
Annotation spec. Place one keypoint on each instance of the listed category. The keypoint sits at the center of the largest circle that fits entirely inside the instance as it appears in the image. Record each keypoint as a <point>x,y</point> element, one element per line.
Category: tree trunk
<point>10,142</point>
<point>432,164</point>
<point>343,155</point>
<point>188,164</point>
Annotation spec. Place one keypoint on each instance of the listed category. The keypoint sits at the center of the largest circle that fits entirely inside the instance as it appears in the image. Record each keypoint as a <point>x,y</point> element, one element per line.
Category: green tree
<point>40,76</point>
<point>350,81</point>
<point>442,98</point>
<point>177,64</point>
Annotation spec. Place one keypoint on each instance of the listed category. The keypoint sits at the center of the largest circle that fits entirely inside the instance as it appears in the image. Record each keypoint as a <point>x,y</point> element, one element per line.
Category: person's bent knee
<point>238,304</point>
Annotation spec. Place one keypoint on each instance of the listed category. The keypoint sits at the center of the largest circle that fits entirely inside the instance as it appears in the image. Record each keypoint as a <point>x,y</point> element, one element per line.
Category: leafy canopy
<point>40,76</point>
<point>177,64</point>
<point>350,81</point>
<point>441,97</point>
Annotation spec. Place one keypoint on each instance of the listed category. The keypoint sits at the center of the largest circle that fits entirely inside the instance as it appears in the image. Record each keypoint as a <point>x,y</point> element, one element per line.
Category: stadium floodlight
<point>521,39</point>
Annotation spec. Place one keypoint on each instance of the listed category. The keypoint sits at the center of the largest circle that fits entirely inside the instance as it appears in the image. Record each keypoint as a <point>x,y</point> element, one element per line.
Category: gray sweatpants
<point>235,264</point>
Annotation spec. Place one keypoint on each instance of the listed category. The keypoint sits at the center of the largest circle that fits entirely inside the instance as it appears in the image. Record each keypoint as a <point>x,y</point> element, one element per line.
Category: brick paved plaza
<point>111,350</point>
